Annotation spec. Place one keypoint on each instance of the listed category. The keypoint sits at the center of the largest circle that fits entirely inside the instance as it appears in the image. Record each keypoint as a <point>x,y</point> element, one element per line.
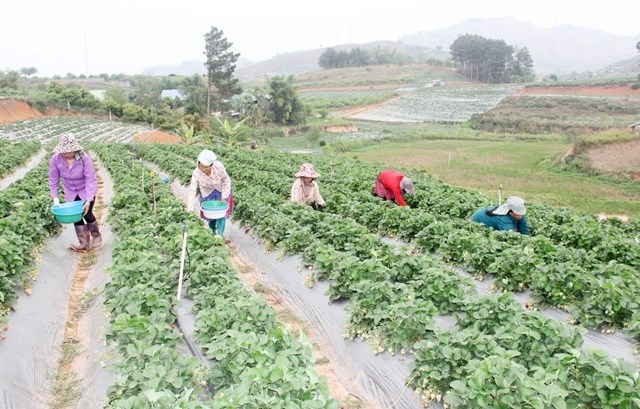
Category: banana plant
<point>228,135</point>
<point>187,134</point>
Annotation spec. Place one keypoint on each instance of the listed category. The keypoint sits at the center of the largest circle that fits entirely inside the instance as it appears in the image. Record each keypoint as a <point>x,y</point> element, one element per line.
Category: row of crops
<point>440,104</point>
<point>49,129</point>
<point>257,362</point>
<point>498,354</point>
<point>345,95</point>
<point>25,220</point>
<point>12,155</point>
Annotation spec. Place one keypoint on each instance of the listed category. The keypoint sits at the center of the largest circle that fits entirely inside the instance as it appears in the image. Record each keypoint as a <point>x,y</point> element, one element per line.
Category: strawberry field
<point>346,94</point>
<point>49,129</point>
<point>557,329</point>
<point>440,104</point>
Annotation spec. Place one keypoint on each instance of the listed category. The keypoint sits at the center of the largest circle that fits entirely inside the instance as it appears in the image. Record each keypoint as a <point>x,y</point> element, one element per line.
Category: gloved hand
<point>190,205</point>
<point>56,201</point>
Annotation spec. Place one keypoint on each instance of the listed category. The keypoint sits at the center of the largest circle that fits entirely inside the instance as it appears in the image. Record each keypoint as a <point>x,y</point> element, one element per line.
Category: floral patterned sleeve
<point>225,188</point>
<point>318,196</point>
<point>295,191</point>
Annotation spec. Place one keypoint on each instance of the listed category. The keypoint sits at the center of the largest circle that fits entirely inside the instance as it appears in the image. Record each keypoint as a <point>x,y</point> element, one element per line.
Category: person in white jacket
<point>210,181</point>
<point>305,188</point>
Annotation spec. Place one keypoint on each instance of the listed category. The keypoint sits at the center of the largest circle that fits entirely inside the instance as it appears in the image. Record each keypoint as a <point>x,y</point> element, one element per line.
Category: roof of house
<point>172,93</point>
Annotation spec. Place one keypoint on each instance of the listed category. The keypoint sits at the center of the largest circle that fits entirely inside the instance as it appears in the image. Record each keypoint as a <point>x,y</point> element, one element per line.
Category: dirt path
<point>70,381</point>
<point>350,111</point>
<point>248,273</point>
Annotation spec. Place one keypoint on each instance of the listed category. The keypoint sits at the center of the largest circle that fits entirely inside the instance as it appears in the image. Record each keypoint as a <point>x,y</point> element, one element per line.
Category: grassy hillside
<point>482,161</point>
<point>414,75</point>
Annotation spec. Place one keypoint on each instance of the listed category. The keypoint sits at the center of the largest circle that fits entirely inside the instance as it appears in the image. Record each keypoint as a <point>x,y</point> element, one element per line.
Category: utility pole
<point>208,97</point>
<point>86,56</point>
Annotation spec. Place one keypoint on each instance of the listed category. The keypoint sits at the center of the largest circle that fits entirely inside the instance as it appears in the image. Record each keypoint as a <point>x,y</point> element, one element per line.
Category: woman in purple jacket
<point>78,175</point>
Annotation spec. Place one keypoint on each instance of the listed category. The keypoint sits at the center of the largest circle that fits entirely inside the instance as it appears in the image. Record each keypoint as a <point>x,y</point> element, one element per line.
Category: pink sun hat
<point>307,171</point>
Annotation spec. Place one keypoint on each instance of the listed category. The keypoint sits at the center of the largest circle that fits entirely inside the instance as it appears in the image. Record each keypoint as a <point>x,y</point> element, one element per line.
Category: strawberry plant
<point>496,382</point>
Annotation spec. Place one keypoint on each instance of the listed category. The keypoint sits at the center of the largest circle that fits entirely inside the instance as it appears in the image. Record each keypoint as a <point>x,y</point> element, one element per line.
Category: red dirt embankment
<point>12,110</point>
<point>156,137</point>
<point>597,91</point>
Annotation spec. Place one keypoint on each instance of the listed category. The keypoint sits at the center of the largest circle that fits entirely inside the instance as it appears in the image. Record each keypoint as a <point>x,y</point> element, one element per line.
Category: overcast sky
<point>117,36</point>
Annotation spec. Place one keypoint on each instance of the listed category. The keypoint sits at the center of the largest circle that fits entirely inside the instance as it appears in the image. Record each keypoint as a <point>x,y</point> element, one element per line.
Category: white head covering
<point>207,157</point>
<point>407,185</point>
<point>515,204</point>
<point>67,144</point>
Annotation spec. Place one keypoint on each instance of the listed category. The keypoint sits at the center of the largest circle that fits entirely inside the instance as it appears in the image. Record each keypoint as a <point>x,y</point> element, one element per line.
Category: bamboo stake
<point>182,255</point>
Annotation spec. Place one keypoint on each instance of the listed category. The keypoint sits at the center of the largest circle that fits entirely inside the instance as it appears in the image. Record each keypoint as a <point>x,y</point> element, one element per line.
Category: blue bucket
<point>68,212</point>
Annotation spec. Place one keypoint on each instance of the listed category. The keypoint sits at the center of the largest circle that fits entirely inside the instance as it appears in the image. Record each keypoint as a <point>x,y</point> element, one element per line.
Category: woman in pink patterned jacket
<point>305,188</point>
<point>210,181</point>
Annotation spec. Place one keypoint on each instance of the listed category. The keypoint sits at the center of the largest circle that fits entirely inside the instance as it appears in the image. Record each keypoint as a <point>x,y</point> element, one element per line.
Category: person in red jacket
<point>391,185</point>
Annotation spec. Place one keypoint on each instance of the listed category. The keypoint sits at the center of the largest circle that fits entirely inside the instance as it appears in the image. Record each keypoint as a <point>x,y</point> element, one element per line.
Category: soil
<point>352,110</point>
<point>12,110</point>
<point>67,377</point>
<point>616,157</point>
<point>156,137</point>
<point>248,274</point>
<point>597,91</point>
<point>341,128</point>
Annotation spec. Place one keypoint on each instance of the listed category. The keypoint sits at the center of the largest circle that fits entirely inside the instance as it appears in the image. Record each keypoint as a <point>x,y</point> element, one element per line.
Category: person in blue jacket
<point>509,216</point>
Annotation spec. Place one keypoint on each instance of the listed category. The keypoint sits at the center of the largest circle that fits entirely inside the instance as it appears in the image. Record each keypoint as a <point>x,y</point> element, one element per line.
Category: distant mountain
<point>184,68</point>
<point>558,50</point>
<point>293,63</point>
<point>306,61</point>
<point>187,68</point>
<point>625,68</point>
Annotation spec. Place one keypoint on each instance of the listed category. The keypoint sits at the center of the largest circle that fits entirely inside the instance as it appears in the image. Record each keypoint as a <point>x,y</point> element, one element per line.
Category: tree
<point>196,121</point>
<point>285,105</point>
<point>113,107</point>
<point>134,113</point>
<point>491,61</point>
<point>194,89</point>
<point>117,94</point>
<point>9,79</point>
<point>146,91</point>
<point>522,66</point>
<point>71,95</point>
<point>255,104</point>
<point>220,66</point>
<point>358,57</point>
<point>328,58</point>
<point>28,71</point>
